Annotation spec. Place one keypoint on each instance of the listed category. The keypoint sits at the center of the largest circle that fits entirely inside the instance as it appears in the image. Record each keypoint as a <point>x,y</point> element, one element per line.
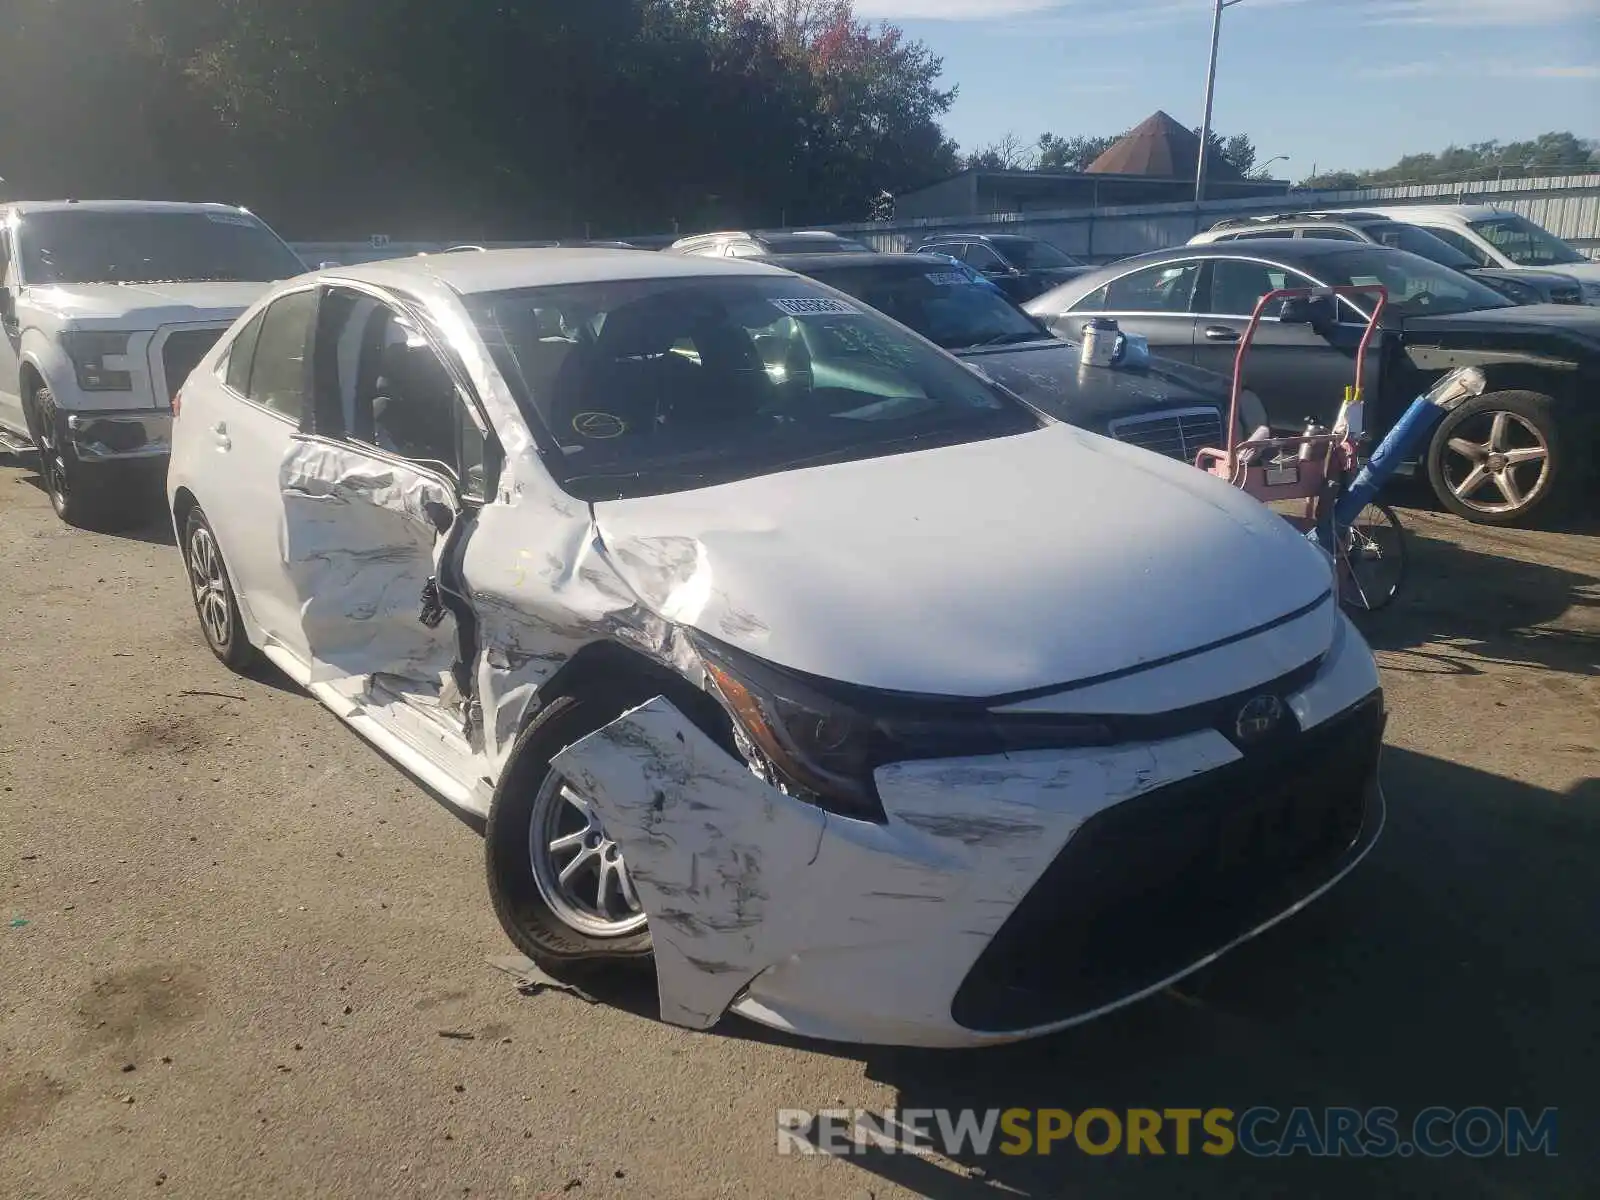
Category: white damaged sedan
<point>775,645</point>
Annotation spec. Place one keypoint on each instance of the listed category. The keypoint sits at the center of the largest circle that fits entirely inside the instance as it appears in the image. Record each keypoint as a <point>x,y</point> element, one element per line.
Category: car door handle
<point>219,431</point>
<point>1219,333</point>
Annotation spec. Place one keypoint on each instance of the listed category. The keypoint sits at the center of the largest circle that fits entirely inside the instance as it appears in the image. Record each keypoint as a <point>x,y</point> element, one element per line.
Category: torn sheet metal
<point>840,928</point>
<point>710,849</point>
<point>360,543</point>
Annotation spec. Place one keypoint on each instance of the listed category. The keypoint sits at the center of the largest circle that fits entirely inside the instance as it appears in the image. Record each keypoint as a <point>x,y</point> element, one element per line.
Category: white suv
<point>105,306</point>
<point>1498,237</point>
<point>776,644</point>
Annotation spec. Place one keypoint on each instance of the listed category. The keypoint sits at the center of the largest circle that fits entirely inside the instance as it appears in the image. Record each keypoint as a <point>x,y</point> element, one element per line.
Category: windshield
<point>150,247</point>
<point>1419,241</point>
<point>661,385</point>
<point>1417,287</point>
<point>950,306</point>
<point>1525,243</point>
<point>1033,255</point>
<point>808,245</point>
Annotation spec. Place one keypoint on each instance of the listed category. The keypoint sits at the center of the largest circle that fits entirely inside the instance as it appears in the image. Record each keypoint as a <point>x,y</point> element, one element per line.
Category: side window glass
<point>983,258</point>
<point>1464,244</point>
<point>1164,288</point>
<point>1237,285</point>
<point>5,255</point>
<point>399,396</point>
<point>280,374</point>
<point>1095,301</point>
<point>1331,235</point>
<point>241,354</point>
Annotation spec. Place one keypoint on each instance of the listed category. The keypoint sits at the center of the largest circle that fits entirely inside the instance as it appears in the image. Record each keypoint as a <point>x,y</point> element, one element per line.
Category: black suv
<point>1520,286</point>
<point>1021,267</point>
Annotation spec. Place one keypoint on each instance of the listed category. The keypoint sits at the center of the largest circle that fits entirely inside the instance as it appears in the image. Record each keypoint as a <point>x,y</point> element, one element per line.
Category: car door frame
<point>399,487</point>
<point>1068,324</point>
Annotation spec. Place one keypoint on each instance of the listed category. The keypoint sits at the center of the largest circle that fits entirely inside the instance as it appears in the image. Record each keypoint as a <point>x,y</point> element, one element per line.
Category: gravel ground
<point>232,938</point>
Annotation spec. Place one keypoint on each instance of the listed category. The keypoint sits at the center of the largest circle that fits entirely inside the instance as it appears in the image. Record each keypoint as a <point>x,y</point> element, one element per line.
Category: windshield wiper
<point>1013,338</point>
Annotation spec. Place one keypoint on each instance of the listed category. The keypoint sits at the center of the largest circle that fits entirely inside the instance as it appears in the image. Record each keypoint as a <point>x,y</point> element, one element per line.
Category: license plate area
<point>1273,830</point>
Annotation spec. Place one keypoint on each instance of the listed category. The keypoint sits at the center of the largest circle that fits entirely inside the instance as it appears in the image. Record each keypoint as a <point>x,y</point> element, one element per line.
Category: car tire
<point>211,588</point>
<point>545,925</point>
<point>78,494</point>
<point>1471,473</point>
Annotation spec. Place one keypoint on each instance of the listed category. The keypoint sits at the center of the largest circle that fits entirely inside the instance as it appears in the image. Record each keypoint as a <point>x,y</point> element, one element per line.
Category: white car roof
<point>504,270</point>
<point>1463,212</point>
<point>23,207</point>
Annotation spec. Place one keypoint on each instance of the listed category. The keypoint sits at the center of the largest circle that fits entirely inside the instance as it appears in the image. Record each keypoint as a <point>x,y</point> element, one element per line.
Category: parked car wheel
<point>214,601</point>
<point>1498,460</point>
<point>77,494</point>
<point>558,881</point>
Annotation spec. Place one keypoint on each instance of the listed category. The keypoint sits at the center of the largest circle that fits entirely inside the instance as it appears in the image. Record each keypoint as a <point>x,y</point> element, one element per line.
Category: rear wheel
<point>212,590</point>
<point>1499,460</point>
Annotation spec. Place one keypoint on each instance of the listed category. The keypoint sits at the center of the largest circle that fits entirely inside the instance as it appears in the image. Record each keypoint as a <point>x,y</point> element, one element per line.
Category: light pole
<point>1275,158</point>
<point>1211,85</point>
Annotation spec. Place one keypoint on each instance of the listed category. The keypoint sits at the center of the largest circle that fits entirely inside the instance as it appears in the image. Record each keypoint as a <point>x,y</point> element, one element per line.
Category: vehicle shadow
<point>1456,967</point>
<point>146,518</point>
<point>1496,608</point>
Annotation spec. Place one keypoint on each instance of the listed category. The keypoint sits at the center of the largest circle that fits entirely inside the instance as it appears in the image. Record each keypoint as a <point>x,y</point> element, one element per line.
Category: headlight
<point>1591,293</point>
<point>826,740</point>
<point>100,360</point>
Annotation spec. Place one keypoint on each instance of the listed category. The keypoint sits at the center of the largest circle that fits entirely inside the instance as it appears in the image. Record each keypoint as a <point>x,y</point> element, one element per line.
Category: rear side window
<point>242,354</point>
<point>280,376</point>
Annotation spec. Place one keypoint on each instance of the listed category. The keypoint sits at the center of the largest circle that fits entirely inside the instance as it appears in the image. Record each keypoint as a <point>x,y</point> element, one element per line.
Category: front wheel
<point>1372,559</point>
<point>558,881</point>
<point>77,494</point>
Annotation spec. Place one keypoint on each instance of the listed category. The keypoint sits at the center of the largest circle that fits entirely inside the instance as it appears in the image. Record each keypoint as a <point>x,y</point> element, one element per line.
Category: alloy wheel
<point>579,869</point>
<point>210,585</point>
<point>1498,463</point>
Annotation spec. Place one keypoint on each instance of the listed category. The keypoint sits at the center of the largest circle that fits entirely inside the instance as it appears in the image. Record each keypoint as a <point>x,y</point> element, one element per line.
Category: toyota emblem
<point>1259,719</point>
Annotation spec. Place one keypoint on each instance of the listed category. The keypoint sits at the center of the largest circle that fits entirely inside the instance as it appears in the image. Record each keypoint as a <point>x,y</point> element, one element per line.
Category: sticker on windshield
<point>230,219</point>
<point>814,307</point>
<point>949,278</point>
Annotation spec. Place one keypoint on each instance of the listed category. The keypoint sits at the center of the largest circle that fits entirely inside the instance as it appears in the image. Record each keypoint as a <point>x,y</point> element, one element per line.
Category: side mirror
<point>1319,312</point>
<point>8,305</point>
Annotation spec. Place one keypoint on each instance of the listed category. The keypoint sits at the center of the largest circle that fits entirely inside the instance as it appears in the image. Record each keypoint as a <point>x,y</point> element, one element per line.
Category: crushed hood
<point>975,570</point>
<point>1051,376</point>
<point>149,304</point>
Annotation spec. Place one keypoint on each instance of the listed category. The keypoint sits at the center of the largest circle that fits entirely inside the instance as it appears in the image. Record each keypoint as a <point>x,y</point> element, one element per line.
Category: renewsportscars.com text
<point>1259,1132</point>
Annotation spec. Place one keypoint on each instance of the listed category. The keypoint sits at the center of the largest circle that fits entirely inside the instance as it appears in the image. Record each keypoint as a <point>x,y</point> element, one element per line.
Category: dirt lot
<point>231,935</point>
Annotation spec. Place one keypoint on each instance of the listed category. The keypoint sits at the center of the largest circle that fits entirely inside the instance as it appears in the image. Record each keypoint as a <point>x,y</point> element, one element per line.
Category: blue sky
<point>1331,83</point>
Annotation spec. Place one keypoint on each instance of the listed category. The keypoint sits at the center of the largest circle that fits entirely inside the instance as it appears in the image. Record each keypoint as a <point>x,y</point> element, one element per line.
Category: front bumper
<point>1006,897</point>
<point>120,435</point>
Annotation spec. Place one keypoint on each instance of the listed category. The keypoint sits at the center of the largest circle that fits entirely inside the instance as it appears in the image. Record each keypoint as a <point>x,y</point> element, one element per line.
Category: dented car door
<point>372,490</point>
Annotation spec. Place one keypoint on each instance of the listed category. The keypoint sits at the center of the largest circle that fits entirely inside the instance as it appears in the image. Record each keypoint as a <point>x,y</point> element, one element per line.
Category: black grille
<point>181,353</point>
<point>1154,884</point>
<point>1180,435</point>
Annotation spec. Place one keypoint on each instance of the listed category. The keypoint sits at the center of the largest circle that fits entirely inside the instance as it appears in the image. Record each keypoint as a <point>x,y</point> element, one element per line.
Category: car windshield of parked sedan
<point>87,246</point>
<point>1418,241</point>
<point>950,306</point>
<point>661,385</point>
<point>1417,287</point>
<point>1525,243</point>
<point>1033,255</point>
